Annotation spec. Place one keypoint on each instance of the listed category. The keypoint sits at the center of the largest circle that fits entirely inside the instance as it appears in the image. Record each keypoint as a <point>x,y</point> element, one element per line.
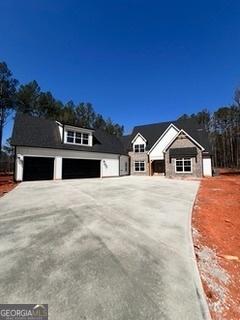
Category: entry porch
<point>157,167</point>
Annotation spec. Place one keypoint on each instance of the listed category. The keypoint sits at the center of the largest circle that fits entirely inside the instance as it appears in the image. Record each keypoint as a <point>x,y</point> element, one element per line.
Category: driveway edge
<point>197,279</point>
<point>10,191</point>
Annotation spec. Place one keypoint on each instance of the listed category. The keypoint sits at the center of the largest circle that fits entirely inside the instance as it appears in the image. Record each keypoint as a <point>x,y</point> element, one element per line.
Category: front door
<point>158,167</point>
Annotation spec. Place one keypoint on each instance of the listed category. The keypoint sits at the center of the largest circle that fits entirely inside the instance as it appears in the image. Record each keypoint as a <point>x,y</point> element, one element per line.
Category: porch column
<point>150,167</point>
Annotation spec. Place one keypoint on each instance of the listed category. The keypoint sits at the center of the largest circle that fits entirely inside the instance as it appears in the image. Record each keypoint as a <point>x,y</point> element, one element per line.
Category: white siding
<point>110,167</point>
<point>58,168</point>
<point>139,140</point>
<point>157,152</point>
<point>207,167</point>
<point>109,162</point>
<point>124,164</point>
<point>19,168</point>
<point>60,127</point>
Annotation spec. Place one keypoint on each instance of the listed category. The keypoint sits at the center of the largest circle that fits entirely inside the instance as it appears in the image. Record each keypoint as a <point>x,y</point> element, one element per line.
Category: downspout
<point>63,133</point>
<point>129,165</point>
<point>150,166</point>
<point>119,167</point>
<point>14,166</point>
<point>164,164</point>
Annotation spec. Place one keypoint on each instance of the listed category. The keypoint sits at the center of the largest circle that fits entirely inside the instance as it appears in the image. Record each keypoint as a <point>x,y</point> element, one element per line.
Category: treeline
<point>30,99</point>
<point>223,127</point>
<point>33,101</point>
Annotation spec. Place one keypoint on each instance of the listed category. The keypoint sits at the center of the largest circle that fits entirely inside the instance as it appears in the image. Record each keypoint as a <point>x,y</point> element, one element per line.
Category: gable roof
<point>188,136</point>
<point>39,132</point>
<point>162,135</point>
<point>152,132</point>
<point>138,135</point>
<point>32,131</point>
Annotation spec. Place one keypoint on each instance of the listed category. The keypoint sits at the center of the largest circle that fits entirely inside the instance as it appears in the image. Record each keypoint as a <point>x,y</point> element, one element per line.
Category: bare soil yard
<point>216,234</point>
<point>6,184</point>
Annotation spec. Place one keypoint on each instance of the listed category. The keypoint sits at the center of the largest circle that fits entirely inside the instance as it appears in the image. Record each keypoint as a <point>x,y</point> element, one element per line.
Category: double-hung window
<point>70,136</point>
<point>139,148</point>
<point>183,165</point>
<point>77,137</point>
<point>139,166</point>
<point>85,138</point>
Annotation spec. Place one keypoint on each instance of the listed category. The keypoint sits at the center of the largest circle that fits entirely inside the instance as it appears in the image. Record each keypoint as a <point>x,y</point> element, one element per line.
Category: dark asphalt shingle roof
<point>38,132</point>
<point>125,140</point>
<point>152,132</point>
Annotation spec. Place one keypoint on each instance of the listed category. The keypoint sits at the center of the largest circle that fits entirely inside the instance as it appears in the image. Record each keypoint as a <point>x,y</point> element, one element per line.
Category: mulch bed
<point>216,235</point>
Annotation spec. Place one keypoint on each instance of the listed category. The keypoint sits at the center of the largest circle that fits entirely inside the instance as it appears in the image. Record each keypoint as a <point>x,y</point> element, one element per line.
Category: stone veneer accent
<point>182,141</point>
<point>139,156</point>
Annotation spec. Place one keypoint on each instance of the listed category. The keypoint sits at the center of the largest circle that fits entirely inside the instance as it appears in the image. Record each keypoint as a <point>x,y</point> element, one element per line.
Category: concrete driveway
<point>106,249</point>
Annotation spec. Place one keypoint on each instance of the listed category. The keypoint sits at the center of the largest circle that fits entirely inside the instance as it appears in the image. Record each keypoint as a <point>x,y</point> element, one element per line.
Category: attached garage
<point>38,168</point>
<point>80,168</point>
<point>51,150</point>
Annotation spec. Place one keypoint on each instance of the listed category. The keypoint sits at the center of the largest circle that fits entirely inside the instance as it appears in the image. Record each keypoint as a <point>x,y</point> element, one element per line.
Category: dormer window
<point>139,143</point>
<point>77,137</point>
<point>70,136</point>
<point>139,148</point>
<point>85,138</point>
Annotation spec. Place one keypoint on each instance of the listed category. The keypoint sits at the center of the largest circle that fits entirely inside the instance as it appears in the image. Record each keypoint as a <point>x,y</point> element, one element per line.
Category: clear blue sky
<point>136,61</point>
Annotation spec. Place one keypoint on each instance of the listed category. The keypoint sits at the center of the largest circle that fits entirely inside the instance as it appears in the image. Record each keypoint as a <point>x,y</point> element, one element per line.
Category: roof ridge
<point>155,123</point>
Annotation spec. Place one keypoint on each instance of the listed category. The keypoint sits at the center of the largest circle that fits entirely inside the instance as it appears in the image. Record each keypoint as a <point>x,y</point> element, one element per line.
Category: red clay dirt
<point>6,184</point>
<point>216,236</point>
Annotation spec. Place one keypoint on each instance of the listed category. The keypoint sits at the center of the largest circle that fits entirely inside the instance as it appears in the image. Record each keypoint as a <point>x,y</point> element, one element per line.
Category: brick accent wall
<point>183,141</point>
<point>141,156</point>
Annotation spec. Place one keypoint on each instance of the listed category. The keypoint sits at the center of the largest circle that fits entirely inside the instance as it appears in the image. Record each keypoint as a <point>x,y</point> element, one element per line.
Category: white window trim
<point>183,165</point>
<point>74,138</point>
<point>140,170</point>
<point>162,136</point>
<point>139,144</point>
<point>138,135</point>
